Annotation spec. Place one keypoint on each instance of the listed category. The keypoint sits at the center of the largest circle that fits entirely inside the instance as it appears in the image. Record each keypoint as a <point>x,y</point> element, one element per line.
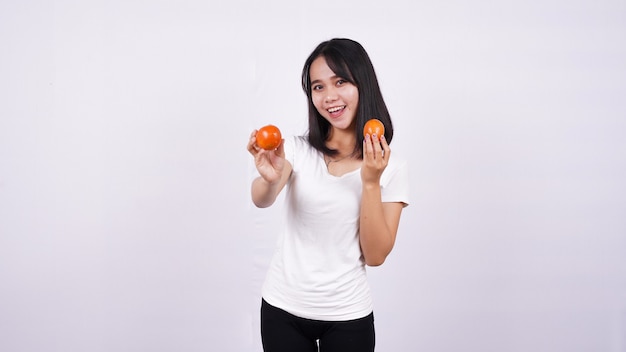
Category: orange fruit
<point>374,126</point>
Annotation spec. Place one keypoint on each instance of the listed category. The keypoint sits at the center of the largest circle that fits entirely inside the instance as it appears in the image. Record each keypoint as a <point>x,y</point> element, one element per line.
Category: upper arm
<point>392,212</point>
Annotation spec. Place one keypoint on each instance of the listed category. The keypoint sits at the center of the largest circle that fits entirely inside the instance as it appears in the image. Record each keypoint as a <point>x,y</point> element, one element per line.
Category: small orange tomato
<point>268,137</point>
<point>374,126</point>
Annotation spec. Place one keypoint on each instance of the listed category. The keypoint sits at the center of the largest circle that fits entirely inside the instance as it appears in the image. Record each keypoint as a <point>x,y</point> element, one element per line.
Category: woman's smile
<point>334,97</point>
<point>336,111</point>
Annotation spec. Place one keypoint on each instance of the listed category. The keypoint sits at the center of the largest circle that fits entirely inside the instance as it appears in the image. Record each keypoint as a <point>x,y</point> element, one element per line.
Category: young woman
<point>345,194</point>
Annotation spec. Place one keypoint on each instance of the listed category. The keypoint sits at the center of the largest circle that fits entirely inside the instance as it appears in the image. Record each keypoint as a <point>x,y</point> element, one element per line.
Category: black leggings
<point>284,332</point>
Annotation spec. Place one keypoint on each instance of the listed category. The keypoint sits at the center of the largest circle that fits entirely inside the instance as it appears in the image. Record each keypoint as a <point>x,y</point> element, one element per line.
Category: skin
<point>378,221</point>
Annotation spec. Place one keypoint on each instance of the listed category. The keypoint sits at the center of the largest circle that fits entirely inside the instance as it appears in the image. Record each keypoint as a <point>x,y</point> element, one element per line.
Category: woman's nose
<point>331,95</point>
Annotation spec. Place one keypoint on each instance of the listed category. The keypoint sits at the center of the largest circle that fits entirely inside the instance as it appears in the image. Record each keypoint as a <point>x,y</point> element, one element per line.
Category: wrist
<point>371,186</point>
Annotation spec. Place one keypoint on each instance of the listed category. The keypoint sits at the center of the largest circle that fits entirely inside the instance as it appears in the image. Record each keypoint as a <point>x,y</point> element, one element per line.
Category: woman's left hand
<point>375,158</point>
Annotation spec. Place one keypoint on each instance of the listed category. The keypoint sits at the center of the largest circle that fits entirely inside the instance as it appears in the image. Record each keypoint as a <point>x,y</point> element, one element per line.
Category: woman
<point>345,195</point>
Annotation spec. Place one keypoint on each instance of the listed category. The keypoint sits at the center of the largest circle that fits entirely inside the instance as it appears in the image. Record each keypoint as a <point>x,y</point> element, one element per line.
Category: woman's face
<point>335,98</point>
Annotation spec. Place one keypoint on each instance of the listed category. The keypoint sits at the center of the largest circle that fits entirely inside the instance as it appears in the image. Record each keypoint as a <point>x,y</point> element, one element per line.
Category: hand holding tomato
<point>266,147</point>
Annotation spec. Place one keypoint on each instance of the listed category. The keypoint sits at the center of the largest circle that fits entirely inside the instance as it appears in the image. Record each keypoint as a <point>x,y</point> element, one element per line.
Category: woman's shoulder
<point>397,164</point>
<point>302,140</point>
<point>397,160</point>
<point>298,142</point>
<point>297,147</point>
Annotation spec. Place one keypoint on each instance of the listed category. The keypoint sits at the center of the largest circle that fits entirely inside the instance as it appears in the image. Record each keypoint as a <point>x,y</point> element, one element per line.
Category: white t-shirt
<point>318,271</point>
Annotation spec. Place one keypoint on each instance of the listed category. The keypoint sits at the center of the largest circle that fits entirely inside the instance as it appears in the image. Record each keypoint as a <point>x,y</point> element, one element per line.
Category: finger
<point>280,150</point>
<point>365,153</point>
<point>376,146</point>
<point>369,139</point>
<point>252,148</point>
<point>253,136</point>
<point>385,145</point>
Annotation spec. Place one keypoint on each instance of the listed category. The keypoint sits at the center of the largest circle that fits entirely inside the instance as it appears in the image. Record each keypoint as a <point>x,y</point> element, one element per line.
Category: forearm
<point>376,236</point>
<point>264,193</point>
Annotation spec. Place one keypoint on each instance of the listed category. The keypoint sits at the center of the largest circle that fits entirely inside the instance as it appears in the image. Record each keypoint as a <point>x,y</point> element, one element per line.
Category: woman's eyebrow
<point>331,78</point>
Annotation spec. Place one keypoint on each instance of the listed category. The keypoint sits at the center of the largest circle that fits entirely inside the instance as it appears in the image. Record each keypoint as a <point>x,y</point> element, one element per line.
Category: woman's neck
<point>342,141</point>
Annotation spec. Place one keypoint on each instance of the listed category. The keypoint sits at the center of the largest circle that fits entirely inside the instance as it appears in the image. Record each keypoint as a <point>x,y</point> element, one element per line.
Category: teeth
<point>336,108</point>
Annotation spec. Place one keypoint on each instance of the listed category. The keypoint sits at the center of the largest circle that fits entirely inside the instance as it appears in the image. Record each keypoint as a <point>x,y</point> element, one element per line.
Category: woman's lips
<point>336,110</point>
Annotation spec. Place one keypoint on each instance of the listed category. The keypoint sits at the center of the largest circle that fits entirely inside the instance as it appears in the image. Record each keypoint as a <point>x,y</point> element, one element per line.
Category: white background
<point>125,219</point>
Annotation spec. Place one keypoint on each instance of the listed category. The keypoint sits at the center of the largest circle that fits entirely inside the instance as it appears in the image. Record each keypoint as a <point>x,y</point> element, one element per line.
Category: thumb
<point>280,151</point>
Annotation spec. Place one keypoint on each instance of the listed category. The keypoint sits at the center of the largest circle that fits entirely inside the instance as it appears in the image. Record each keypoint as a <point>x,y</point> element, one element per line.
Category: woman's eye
<point>317,87</point>
<point>341,82</point>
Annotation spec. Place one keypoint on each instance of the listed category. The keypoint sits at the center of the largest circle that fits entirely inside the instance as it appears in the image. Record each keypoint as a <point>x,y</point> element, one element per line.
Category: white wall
<point>125,220</point>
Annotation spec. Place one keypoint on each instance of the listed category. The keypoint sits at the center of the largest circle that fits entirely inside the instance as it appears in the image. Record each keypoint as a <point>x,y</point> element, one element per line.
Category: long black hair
<point>348,60</point>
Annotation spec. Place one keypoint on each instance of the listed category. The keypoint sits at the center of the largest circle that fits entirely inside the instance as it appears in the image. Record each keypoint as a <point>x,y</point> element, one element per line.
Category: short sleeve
<point>395,182</point>
<point>289,147</point>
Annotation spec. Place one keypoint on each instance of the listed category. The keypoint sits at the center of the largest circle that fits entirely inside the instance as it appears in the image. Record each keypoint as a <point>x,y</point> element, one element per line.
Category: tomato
<point>268,137</point>
<point>374,126</point>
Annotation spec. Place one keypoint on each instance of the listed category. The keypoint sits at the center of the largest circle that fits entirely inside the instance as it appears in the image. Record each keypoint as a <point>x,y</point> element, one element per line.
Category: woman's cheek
<point>318,105</point>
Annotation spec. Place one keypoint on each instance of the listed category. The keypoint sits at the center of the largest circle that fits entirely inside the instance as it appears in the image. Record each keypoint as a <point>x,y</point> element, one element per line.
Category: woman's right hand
<point>269,163</point>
